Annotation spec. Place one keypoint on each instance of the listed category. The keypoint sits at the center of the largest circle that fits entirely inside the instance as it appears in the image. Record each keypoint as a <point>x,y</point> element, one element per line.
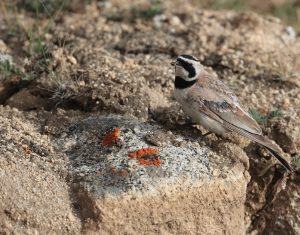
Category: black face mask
<point>187,66</point>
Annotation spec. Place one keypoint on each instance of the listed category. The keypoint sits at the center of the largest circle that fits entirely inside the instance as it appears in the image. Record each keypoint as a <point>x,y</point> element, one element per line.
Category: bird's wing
<point>218,101</point>
<point>221,105</point>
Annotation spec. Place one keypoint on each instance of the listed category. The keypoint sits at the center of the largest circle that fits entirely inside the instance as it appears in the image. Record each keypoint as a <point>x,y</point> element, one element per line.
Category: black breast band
<point>180,83</point>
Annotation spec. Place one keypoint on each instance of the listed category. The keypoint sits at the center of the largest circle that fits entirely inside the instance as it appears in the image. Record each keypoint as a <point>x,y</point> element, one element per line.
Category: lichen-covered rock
<point>178,189</point>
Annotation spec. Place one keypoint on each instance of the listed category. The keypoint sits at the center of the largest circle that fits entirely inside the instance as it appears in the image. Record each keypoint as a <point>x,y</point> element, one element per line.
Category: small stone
<point>158,20</point>
<point>3,47</point>
<point>71,59</point>
<point>289,34</point>
<point>216,172</point>
<point>81,83</point>
<point>286,102</point>
<point>175,21</point>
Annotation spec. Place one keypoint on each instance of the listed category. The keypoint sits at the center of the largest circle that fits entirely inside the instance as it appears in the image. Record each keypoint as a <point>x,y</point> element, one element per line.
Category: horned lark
<point>209,102</point>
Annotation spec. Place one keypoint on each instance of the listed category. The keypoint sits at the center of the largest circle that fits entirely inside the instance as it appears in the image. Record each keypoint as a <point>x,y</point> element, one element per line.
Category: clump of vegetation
<point>37,48</point>
<point>289,12</point>
<point>263,119</point>
<point>8,70</point>
<point>283,76</point>
<point>154,8</point>
<point>63,89</point>
<point>43,8</point>
<point>237,5</point>
<point>296,160</point>
<point>37,44</point>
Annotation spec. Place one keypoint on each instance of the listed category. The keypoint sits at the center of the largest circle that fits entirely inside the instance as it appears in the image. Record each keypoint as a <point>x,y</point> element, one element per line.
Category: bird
<point>210,103</point>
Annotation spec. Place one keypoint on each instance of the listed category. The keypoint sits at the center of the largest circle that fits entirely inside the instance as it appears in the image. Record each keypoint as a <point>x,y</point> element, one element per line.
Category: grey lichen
<point>108,169</point>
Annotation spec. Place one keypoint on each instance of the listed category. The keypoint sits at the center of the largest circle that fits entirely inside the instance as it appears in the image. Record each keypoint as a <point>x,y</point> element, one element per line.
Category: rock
<point>71,59</point>
<point>180,194</point>
<point>175,21</point>
<point>158,20</point>
<point>3,48</point>
<point>5,58</point>
<point>289,34</point>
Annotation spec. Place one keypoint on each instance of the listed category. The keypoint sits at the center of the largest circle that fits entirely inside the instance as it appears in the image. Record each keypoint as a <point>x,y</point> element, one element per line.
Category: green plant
<point>154,8</point>
<point>114,16</point>
<point>296,160</point>
<point>37,47</point>
<point>43,8</point>
<point>283,76</point>
<point>37,44</point>
<point>287,11</point>
<point>236,5</point>
<point>263,119</point>
<point>7,70</point>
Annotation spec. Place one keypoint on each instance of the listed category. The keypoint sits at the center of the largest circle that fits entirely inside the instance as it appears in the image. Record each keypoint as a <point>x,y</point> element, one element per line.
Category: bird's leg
<point>189,123</point>
<point>210,132</point>
<point>184,126</point>
<point>207,133</point>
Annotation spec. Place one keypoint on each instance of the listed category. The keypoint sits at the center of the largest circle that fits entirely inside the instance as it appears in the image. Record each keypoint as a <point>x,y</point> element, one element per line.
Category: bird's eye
<point>179,62</point>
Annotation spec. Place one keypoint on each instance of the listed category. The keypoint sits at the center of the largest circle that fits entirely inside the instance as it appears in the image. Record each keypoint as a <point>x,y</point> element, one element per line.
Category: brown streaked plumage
<point>211,103</point>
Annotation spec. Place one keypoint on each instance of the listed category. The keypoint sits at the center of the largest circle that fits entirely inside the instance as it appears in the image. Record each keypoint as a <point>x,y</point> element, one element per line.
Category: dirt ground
<point>112,57</point>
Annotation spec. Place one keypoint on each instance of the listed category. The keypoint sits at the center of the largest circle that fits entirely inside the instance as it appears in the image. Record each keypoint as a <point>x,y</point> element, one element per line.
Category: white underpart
<point>192,110</point>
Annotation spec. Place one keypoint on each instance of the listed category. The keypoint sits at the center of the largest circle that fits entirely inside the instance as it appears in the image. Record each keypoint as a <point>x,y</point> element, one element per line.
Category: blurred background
<point>287,10</point>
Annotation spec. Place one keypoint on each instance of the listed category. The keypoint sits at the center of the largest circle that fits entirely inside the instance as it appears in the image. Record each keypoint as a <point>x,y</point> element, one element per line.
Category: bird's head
<point>187,67</point>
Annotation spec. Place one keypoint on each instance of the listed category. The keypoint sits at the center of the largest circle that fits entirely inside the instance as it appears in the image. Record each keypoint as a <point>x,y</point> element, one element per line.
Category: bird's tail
<point>280,159</point>
<point>272,148</point>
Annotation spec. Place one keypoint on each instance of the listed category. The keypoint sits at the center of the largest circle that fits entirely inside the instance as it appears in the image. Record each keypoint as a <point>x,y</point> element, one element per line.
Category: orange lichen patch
<point>112,137</point>
<point>26,150</point>
<point>123,172</point>
<point>150,162</point>
<point>143,152</point>
<point>141,155</point>
<point>113,169</point>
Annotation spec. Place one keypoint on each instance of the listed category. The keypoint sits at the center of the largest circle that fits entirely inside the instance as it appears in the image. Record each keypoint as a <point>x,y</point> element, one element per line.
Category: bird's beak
<point>173,63</point>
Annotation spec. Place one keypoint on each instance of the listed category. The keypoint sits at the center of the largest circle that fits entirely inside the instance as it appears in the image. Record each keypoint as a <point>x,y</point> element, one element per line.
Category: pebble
<point>289,34</point>
<point>216,172</point>
<point>71,59</point>
<point>158,20</point>
<point>175,21</point>
<point>3,47</point>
